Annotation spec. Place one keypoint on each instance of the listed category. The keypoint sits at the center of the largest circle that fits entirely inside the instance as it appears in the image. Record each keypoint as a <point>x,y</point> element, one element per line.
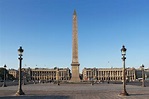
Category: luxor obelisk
<point>75,63</point>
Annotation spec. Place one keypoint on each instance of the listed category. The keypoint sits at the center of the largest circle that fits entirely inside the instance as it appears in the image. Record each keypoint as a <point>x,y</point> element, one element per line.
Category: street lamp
<point>24,78</point>
<point>4,83</point>
<point>123,52</point>
<point>58,82</point>
<point>143,78</point>
<point>20,91</point>
<point>35,78</point>
<point>115,76</point>
<point>108,78</point>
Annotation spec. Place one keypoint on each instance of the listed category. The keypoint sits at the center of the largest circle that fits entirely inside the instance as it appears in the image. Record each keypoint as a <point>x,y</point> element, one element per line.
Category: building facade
<point>14,73</point>
<point>108,74</point>
<point>139,73</point>
<point>46,74</point>
<point>63,74</point>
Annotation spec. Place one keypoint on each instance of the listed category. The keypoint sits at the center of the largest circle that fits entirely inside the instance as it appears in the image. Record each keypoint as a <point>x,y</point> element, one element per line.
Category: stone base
<point>75,72</point>
<point>124,94</point>
<point>143,86</point>
<point>4,85</point>
<point>75,79</point>
<point>19,92</point>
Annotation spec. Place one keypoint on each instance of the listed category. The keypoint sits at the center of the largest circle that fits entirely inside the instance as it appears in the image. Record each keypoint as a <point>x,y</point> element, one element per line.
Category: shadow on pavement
<point>36,97</point>
<point>138,94</point>
<point>136,83</point>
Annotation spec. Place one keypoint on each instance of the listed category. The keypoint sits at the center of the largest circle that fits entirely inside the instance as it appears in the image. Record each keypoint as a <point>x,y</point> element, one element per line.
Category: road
<point>74,91</point>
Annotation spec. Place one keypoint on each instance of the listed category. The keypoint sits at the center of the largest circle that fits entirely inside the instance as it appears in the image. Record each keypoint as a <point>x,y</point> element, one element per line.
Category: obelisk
<point>75,63</point>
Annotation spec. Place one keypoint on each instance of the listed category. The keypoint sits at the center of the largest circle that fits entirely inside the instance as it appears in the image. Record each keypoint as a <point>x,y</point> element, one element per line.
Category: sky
<point>44,30</point>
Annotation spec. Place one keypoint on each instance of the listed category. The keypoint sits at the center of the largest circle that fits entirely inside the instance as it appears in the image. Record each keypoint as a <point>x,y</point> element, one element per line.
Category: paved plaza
<point>74,91</point>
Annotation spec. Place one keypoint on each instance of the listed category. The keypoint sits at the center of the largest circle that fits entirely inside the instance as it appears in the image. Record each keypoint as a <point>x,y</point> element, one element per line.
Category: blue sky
<point>44,29</point>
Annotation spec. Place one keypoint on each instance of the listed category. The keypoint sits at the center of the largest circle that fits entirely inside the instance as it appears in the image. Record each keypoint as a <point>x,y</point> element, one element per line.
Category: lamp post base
<point>92,83</point>
<point>4,85</point>
<point>58,83</point>
<point>143,86</point>
<point>124,94</point>
<point>19,92</point>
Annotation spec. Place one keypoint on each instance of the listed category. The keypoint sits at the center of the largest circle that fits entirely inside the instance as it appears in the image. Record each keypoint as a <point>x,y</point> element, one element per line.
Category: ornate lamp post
<point>4,83</point>
<point>115,77</point>
<point>42,79</point>
<point>91,79</point>
<point>24,78</point>
<point>20,91</point>
<point>58,82</point>
<point>35,78</point>
<point>143,76</point>
<point>123,52</point>
<point>108,77</point>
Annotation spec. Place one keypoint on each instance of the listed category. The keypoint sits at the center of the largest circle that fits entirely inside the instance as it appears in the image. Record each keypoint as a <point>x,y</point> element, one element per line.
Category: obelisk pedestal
<point>75,72</point>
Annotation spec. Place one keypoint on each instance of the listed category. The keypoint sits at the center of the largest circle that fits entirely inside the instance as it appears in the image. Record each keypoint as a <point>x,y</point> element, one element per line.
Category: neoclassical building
<point>46,74</point>
<point>63,74</point>
<point>14,73</point>
<point>105,74</point>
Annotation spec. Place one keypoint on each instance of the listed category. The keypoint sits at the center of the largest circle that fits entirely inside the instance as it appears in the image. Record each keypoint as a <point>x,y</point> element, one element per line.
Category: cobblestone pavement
<point>74,91</point>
